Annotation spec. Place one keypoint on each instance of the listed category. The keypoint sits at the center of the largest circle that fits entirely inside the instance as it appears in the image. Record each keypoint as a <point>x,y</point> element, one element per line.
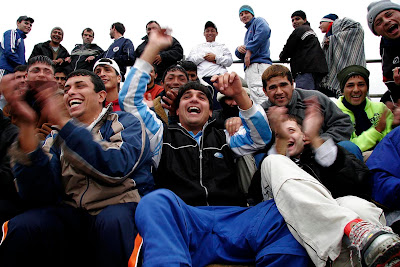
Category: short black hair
<point>89,30</point>
<point>188,65</point>
<point>119,27</point>
<point>21,68</point>
<point>61,69</point>
<point>195,86</point>
<point>299,13</point>
<point>174,68</point>
<point>97,82</point>
<point>41,59</point>
<point>152,21</point>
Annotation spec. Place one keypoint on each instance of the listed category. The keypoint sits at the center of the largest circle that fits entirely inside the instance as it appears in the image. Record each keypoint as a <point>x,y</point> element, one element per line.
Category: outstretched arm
<point>255,132</point>
<point>131,95</point>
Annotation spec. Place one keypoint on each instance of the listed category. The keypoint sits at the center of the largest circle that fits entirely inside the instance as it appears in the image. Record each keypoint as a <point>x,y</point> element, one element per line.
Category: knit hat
<point>329,18</point>
<point>299,13</point>
<point>210,24</point>
<point>350,71</point>
<point>377,7</point>
<point>246,8</point>
<point>109,62</point>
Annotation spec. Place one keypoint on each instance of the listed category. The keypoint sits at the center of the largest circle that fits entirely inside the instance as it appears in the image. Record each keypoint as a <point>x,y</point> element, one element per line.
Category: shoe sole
<point>389,254</point>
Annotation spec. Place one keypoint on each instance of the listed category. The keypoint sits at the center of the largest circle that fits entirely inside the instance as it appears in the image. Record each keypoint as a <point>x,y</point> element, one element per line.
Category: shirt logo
<point>218,155</point>
<point>115,49</point>
<point>396,60</point>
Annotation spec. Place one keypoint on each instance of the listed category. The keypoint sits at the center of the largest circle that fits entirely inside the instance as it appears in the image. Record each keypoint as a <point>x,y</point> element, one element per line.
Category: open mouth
<point>195,110</point>
<point>74,102</point>
<point>290,144</point>
<point>392,28</point>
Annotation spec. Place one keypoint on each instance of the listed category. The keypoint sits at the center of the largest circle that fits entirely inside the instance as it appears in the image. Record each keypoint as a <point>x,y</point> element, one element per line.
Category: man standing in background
<point>255,51</point>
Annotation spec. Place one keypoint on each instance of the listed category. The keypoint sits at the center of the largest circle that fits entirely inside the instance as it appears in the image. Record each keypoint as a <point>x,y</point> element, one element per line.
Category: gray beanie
<point>377,7</point>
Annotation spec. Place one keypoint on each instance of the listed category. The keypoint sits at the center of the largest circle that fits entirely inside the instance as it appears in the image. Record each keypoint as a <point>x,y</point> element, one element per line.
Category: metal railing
<point>287,62</point>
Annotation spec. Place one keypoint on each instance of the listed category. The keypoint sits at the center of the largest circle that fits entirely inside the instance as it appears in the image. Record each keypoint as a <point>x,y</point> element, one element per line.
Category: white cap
<point>108,61</point>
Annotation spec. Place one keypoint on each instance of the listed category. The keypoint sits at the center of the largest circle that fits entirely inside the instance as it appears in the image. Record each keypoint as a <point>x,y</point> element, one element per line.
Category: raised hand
<point>313,121</point>
<point>21,111</point>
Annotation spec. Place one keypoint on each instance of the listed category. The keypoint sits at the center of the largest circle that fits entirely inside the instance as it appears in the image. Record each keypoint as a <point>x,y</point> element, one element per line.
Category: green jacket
<point>369,138</point>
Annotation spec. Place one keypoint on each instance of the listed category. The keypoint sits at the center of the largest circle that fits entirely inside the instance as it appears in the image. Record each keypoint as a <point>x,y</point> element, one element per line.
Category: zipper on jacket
<point>201,171</point>
<point>87,188</point>
<point>200,157</point>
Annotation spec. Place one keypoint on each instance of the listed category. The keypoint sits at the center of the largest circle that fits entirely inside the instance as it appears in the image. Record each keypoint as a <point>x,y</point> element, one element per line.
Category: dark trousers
<point>66,236</point>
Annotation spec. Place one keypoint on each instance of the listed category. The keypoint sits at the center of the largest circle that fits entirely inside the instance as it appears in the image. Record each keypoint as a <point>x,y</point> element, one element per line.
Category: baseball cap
<point>108,61</point>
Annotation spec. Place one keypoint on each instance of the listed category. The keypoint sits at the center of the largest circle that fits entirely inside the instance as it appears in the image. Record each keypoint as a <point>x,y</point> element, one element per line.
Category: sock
<point>349,226</point>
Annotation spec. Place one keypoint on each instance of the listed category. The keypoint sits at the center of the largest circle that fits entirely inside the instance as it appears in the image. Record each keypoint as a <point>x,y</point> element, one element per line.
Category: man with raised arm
<point>196,162</point>
<point>84,181</point>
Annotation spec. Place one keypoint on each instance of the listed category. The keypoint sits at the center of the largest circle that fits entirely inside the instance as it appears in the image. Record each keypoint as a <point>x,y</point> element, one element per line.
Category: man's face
<point>56,36</point>
<point>109,76</point>
<point>194,110</point>
<point>174,80</point>
<point>210,33</point>
<point>40,72</point>
<point>25,26</point>
<point>153,76</point>
<point>279,91</point>
<point>87,37</point>
<point>296,140</point>
<point>152,27</point>
<point>61,78</point>
<point>387,24</point>
<point>192,75</point>
<point>81,100</point>
<point>245,16</point>
<point>297,21</point>
<point>324,26</point>
<point>112,32</point>
<point>355,91</point>
<point>20,77</point>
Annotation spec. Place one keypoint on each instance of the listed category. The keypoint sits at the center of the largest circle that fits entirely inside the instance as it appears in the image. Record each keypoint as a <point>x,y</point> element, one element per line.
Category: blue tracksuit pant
<point>66,236</point>
<point>175,234</point>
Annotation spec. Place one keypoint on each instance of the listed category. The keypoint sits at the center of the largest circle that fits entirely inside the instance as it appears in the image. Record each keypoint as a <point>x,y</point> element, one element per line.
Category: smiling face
<point>56,36</point>
<point>296,138</point>
<point>210,33</point>
<point>355,90</point>
<point>194,110</point>
<point>81,99</point>
<point>279,90</point>
<point>387,24</point>
<point>25,26</point>
<point>297,21</point>
<point>245,16</point>
<point>109,76</point>
<point>174,79</point>
<point>40,72</point>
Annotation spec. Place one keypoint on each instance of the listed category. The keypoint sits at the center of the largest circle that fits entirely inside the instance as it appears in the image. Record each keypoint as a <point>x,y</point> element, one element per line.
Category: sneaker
<point>377,246</point>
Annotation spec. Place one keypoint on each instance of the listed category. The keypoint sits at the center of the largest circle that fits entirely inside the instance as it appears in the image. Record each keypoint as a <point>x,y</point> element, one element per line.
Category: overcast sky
<point>187,19</point>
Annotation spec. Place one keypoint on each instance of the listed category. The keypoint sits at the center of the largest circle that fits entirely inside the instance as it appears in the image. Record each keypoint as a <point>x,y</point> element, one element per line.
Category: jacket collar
<point>23,35</point>
<point>250,22</point>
